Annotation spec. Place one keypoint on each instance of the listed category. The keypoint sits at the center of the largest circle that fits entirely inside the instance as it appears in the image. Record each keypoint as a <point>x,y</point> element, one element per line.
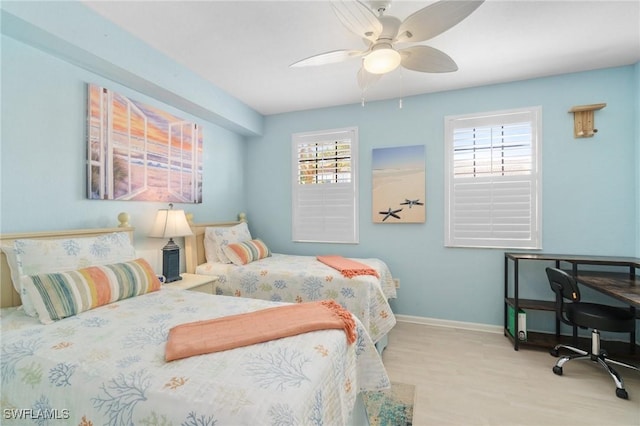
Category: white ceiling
<point>246,47</point>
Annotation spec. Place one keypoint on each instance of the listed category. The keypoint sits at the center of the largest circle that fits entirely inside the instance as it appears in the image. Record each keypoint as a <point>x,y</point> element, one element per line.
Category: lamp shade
<point>170,223</point>
<point>382,59</point>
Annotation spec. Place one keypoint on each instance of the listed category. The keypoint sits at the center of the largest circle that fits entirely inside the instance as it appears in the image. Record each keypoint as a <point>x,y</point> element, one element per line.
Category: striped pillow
<point>246,252</point>
<point>63,294</point>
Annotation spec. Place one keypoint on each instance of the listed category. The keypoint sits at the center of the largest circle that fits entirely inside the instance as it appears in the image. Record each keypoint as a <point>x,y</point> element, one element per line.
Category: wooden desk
<point>623,286</point>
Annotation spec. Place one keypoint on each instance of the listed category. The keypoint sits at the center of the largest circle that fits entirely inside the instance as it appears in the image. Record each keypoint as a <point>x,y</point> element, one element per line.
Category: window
<point>493,179</point>
<point>324,193</point>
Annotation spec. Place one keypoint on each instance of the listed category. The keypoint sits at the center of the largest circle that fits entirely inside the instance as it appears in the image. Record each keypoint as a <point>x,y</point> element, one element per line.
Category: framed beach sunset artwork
<point>399,184</point>
<point>139,152</point>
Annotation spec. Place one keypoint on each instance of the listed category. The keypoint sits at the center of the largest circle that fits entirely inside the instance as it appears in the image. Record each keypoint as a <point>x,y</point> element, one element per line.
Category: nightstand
<point>194,282</point>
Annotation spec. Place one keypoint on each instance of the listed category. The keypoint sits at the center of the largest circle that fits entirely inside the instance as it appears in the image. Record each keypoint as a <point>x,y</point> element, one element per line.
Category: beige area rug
<point>391,407</point>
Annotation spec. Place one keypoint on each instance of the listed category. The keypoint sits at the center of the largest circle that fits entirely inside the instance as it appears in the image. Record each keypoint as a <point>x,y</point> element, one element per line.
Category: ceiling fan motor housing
<point>390,25</point>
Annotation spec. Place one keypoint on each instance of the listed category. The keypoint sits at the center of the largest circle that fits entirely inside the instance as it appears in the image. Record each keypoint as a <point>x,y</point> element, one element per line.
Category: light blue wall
<point>589,186</point>
<point>50,51</point>
<point>43,152</point>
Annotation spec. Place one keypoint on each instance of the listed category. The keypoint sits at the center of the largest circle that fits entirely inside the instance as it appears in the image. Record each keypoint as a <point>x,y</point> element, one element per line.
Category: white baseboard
<point>491,328</point>
<point>451,324</point>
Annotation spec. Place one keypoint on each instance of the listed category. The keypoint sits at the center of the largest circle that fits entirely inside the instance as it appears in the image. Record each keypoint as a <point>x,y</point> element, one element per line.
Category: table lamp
<point>170,223</point>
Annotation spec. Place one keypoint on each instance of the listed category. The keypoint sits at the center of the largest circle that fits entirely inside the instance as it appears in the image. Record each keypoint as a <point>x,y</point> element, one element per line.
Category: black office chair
<point>593,316</point>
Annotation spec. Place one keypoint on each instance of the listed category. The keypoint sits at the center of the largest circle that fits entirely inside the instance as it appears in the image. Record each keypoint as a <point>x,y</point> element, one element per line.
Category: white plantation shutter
<point>324,193</point>
<point>492,178</point>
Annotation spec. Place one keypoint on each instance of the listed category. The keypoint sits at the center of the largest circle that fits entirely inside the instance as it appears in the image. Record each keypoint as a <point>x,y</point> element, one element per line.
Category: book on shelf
<point>522,324</point>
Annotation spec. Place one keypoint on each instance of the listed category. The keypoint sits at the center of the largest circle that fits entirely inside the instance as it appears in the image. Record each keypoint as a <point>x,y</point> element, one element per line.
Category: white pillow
<point>230,235</point>
<point>68,254</point>
<point>210,245</point>
<point>12,260</point>
<point>40,256</point>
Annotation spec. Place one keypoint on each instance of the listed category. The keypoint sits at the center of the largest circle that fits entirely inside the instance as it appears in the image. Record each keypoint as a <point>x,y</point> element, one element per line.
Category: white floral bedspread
<point>289,278</point>
<point>106,367</point>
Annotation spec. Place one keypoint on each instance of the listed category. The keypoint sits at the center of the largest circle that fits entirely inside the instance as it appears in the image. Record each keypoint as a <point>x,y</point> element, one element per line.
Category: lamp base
<point>171,262</point>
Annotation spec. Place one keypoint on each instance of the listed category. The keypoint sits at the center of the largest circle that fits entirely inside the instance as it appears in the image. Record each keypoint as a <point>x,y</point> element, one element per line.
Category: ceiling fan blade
<point>366,79</point>
<point>328,58</point>
<point>358,19</point>
<point>435,19</point>
<point>427,59</point>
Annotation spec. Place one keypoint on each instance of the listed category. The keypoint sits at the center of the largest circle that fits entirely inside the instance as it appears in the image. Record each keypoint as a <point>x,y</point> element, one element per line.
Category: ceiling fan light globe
<point>382,60</point>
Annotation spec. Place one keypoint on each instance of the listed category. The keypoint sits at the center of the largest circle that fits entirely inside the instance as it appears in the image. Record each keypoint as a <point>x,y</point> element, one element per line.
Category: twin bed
<point>295,279</point>
<point>105,364</point>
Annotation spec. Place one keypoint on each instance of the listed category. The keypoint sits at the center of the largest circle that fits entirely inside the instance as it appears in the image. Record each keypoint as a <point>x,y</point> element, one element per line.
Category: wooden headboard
<point>8,296</point>
<point>194,244</point>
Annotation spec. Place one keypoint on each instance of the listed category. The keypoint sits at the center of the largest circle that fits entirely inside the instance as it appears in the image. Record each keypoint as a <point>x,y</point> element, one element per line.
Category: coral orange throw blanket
<point>221,334</point>
<point>347,267</point>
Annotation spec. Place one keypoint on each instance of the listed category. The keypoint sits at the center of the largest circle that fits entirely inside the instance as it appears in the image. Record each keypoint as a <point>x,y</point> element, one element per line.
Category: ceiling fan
<point>383,33</point>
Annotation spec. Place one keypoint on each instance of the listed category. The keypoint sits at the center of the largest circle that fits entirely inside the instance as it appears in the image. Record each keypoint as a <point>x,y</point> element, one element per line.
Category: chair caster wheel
<point>554,352</point>
<point>621,393</point>
<point>558,371</point>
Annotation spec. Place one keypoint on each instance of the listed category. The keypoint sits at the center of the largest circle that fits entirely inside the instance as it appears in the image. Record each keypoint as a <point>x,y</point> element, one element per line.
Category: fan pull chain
<point>401,89</point>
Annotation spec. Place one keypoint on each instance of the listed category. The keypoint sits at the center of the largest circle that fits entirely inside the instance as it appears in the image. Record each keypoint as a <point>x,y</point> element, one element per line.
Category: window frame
<point>338,219</point>
<point>527,186</point>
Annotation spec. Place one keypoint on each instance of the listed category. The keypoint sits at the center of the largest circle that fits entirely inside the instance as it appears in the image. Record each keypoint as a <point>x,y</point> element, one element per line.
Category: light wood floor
<point>476,378</point>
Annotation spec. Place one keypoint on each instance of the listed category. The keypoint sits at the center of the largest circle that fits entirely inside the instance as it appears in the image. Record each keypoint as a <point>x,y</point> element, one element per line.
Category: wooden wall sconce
<point>583,120</point>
